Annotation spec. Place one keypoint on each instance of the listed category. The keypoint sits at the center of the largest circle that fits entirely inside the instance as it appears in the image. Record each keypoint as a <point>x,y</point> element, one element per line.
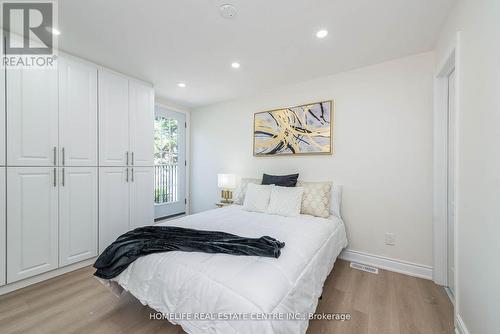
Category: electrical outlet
<point>390,239</point>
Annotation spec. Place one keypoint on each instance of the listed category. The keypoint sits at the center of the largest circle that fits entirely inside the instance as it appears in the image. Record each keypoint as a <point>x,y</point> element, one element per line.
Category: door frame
<point>188,148</point>
<point>440,169</point>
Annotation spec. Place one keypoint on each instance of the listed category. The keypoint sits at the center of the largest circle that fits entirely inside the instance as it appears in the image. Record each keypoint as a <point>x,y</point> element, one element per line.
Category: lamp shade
<point>226,181</point>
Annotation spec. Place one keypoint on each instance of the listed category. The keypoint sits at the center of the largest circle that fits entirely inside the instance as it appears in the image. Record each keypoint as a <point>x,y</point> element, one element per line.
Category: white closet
<point>113,204</point>
<point>2,227</point>
<point>51,179</point>
<point>32,117</point>
<point>126,198</point>
<point>113,119</point>
<point>2,179</point>
<point>32,221</point>
<point>126,119</point>
<point>141,196</point>
<point>141,123</point>
<point>2,118</point>
<point>78,215</point>
<point>77,113</point>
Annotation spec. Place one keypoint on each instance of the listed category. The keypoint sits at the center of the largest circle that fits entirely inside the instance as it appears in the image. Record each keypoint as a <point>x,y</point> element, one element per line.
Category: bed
<point>220,293</point>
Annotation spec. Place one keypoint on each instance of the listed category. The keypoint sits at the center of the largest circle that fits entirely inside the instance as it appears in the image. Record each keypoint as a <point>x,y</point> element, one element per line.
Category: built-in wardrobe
<point>76,165</point>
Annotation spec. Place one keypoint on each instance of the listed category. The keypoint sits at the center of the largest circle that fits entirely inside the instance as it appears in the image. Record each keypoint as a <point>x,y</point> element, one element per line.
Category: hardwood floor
<point>76,303</point>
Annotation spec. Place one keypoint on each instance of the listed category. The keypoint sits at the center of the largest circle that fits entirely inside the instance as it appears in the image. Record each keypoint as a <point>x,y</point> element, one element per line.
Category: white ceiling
<point>168,41</point>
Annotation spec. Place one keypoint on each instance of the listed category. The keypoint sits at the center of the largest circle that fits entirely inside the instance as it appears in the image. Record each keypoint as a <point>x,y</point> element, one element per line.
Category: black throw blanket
<point>154,239</point>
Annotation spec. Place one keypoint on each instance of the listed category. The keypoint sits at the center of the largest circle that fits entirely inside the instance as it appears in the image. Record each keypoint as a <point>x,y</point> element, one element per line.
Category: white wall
<point>478,220</point>
<point>383,151</point>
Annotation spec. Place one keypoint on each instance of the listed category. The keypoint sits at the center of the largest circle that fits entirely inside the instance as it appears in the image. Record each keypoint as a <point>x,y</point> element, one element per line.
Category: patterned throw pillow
<point>239,193</point>
<point>316,198</point>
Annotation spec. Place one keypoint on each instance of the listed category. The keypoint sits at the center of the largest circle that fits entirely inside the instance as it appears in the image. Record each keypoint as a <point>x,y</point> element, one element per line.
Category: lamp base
<point>226,196</point>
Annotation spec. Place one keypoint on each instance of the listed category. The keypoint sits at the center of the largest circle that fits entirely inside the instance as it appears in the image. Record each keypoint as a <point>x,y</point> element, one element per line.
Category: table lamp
<point>226,182</point>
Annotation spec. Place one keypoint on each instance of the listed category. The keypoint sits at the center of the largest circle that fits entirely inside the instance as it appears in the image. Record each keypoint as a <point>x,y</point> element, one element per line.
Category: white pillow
<point>285,201</point>
<point>257,197</point>
<point>240,191</point>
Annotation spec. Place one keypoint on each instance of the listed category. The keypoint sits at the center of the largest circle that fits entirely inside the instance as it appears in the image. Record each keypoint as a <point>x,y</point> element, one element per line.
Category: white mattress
<point>221,285</point>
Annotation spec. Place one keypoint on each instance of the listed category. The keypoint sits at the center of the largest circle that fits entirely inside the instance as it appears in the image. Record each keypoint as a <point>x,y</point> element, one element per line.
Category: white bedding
<point>181,282</point>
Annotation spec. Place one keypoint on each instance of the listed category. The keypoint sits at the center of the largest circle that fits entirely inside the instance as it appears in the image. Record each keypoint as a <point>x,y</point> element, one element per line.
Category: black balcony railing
<point>166,183</point>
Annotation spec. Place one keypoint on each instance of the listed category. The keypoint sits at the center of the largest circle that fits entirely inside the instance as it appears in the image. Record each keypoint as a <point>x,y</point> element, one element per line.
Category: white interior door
<point>77,113</point>
<point>32,221</point>
<point>113,119</point>
<point>77,214</point>
<point>141,103</point>
<point>451,180</point>
<point>141,196</point>
<point>170,163</point>
<point>32,117</point>
<point>2,227</point>
<point>113,204</point>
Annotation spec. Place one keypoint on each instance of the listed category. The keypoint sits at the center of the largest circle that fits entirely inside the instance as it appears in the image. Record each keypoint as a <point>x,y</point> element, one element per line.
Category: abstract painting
<point>305,129</point>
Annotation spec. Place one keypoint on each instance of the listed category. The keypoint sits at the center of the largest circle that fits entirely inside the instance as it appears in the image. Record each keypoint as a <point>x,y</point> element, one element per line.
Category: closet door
<point>3,239</point>
<point>113,204</point>
<point>141,196</point>
<point>113,119</point>
<point>77,214</point>
<point>32,128</point>
<point>77,113</point>
<point>2,117</point>
<point>141,103</point>
<point>32,223</point>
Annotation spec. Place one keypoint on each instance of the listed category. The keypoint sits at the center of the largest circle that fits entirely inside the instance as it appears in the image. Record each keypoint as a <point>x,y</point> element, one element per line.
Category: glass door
<point>170,163</point>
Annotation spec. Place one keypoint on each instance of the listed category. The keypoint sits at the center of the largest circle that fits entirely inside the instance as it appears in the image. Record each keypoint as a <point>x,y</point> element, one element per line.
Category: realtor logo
<point>29,33</point>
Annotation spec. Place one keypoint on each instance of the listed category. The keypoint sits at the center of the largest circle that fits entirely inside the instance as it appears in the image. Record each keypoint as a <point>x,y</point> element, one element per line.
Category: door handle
<point>126,154</point>
<point>55,175</point>
<point>63,154</point>
<point>55,155</point>
<point>132,158</point>
<point>132,175</point>
<point>126,178</point>
<point>63,177</point>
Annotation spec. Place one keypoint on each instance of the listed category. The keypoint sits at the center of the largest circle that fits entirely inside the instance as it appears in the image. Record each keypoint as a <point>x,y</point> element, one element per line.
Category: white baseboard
<point>381,262</point>
<point>460,327</point>
<point>45,276</point>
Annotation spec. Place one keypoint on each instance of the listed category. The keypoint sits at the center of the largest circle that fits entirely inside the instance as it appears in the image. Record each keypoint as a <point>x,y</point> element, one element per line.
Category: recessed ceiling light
<point>322,33</point>
<point>235,65</point>
<point>181,84</point>
<point>53,31</point>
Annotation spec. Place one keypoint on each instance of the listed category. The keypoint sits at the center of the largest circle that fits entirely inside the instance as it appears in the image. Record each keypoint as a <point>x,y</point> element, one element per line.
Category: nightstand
<point>221,205</point>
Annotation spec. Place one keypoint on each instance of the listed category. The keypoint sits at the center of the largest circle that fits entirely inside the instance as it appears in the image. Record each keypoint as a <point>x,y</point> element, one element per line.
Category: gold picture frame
<point>301,130</point>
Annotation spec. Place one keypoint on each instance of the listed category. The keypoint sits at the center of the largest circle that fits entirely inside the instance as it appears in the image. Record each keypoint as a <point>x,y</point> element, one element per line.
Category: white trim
<point>450,295</point>
<point>460,327</point>
<point>458,78</point>
<point>45,276</point>
<point>440,169</point>
<point>382,262</point>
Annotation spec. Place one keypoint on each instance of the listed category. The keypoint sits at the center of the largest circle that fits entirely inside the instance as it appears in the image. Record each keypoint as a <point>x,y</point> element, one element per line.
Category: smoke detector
<point>227,11</point>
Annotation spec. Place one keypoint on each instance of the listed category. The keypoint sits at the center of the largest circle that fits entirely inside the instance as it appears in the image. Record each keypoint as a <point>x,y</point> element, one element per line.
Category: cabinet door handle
<point>63,154</point>
<point>55,175</point>
<point>132,174</point>
<point>63,177</point>
<point>126,178</point>
<point>132,158</point>
<point>126,154</point>
<point>55,155</point>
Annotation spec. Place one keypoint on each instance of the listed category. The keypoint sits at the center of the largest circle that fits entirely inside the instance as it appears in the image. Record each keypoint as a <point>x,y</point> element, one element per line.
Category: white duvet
<point>220,286</point>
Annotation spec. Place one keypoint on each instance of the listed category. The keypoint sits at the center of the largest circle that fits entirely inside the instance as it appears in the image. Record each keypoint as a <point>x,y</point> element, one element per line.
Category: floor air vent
<point>364,267</point>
